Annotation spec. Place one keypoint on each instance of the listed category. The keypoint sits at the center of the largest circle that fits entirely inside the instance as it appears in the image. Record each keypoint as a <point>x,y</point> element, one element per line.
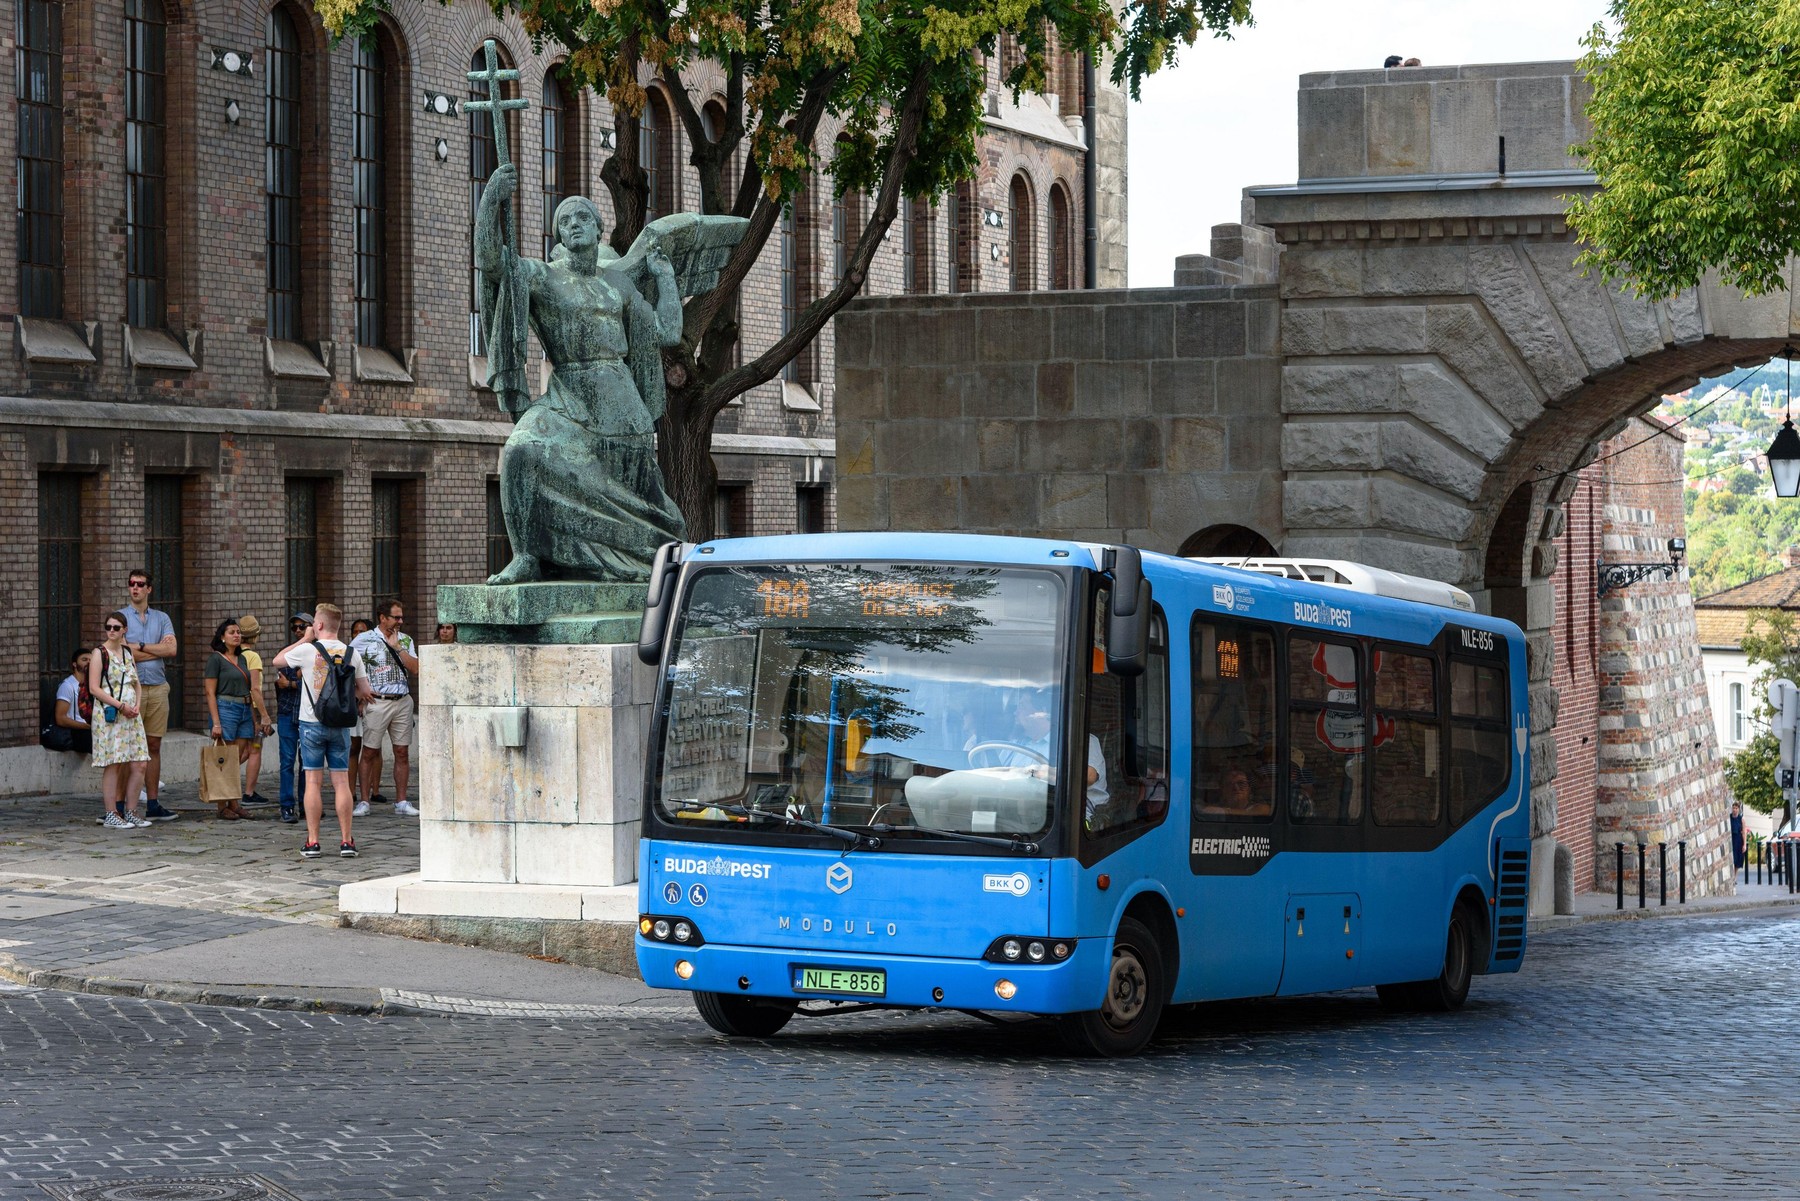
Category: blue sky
<point>1224,119</point>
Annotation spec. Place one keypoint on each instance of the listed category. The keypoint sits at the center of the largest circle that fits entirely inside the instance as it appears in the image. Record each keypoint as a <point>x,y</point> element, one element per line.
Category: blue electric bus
<point>1052,777</point>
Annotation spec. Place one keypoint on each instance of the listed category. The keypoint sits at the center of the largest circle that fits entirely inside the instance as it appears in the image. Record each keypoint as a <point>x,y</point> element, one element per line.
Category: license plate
<point>849,981</point>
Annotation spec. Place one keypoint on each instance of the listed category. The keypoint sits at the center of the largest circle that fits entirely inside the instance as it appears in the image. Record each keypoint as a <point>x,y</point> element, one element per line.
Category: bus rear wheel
<point>744,1017</point>
<point>1451,988</point>
<point>1135,991</point>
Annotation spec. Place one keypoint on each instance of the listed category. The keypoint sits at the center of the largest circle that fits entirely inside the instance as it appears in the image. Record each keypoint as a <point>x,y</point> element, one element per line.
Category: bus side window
<point>1480,737</point>
<point>1407,786</point>
<point>1128,721</point>
<point>1325,726</point>
<point>1235,770</point>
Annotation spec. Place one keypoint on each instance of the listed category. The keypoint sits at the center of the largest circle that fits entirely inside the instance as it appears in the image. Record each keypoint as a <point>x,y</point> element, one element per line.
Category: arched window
<point>38,75</point>
<point>562,148</point>
<point>656,155</point>
<point>369,188</point>
<point>281,176</point>
<point>1062,240</point>
<point>965,236</point>
<point>797,279</point>
<point>483,158</point>
<point>146,271</point>
<point>915,246</point>
<point>712,120</point>
<point>1021,222</point>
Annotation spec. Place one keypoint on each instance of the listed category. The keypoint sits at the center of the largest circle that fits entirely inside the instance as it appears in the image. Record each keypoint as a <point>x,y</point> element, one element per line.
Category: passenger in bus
<point>1233,796</point>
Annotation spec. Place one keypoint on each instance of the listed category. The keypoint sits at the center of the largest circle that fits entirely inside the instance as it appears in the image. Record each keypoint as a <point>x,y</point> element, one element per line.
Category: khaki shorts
<point>389,715</point>
<point>153,706</point>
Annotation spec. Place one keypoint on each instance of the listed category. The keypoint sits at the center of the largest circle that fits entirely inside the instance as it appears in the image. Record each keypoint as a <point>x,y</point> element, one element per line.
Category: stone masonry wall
<point>1143,416</point>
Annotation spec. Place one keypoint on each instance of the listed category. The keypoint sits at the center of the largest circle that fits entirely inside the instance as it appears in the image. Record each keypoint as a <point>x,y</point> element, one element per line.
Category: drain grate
<point>172,1188</point>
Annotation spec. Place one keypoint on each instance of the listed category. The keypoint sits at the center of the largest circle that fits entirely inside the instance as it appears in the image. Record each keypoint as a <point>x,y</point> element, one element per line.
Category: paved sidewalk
<point>228,913</point>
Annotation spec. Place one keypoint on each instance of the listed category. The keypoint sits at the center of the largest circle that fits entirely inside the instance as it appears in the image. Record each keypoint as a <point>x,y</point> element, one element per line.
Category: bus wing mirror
<point>659,601</point>
<point>1128,614</point>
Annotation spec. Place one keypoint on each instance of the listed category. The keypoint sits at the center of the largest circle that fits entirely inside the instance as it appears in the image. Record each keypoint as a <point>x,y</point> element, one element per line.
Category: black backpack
<point>335,704</point>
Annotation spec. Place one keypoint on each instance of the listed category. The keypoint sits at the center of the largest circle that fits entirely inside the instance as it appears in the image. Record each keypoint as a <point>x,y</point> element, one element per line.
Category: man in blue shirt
<point>151,636</point>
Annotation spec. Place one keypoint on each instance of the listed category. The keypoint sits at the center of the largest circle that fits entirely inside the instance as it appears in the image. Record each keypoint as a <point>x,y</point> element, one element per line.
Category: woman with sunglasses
<point>121,751</point>
<point>228,685</point>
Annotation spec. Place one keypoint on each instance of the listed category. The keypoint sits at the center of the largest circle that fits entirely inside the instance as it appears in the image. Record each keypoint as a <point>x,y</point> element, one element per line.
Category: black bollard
<point>1793,861</point>
<point>1619,871</point>
<point>1662,872</point>
<point>1681,870</point>
<point>1641,850</point>
<point>1759,862</point>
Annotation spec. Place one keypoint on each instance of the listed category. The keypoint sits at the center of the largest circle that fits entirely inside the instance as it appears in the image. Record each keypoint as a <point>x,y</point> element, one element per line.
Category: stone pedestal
<point>530,763</point>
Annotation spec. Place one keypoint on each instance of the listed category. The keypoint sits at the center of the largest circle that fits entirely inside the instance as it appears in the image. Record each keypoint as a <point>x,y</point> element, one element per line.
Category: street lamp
<point>1610,577</point>
<point>1784,452</point>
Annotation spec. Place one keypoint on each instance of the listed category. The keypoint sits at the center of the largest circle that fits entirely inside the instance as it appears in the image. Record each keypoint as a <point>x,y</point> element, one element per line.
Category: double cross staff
<point>495,106</point>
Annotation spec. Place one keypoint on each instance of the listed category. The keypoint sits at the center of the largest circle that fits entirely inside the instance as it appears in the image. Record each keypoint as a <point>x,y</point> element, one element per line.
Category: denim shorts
<point>324,748</point>
<point>236,721</point>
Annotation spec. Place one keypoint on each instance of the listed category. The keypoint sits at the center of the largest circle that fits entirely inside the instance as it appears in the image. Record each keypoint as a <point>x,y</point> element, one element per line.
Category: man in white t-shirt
<point>323,748</point>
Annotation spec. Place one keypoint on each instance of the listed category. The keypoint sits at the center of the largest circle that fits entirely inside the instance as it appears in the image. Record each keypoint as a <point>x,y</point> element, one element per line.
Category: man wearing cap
<point>387,655</point>
<point>287,721</point>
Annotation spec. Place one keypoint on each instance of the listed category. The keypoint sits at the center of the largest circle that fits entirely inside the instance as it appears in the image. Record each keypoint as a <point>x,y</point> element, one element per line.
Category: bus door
<point>1234,856</point>
<point>1324,765</point>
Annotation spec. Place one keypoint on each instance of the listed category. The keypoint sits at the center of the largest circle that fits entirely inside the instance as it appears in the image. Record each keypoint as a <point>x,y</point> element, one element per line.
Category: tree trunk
<point>684,451</point>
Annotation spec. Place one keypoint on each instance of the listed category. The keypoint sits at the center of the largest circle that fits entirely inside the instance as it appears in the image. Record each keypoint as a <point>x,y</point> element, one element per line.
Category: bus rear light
<point>678,930</point>
<point>1016,948</point>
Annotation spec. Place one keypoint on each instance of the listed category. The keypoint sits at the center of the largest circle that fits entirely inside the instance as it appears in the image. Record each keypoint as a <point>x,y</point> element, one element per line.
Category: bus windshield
<point>859,694</point>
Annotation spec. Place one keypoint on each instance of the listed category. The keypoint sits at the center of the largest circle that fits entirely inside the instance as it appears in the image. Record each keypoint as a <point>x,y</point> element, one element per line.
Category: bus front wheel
<point>1451,988</point>
<point>743,1017</point>
<point>1135,991</point>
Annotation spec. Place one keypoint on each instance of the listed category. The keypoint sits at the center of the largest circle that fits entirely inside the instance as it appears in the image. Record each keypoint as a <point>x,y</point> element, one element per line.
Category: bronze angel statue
<point>579,482</point>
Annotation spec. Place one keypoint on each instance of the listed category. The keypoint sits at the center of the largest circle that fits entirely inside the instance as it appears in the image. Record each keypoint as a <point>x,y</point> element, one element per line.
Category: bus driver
<point>1033,753</point>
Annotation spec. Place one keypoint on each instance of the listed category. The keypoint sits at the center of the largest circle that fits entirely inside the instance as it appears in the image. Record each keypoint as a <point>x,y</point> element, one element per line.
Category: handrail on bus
<point>659,601</point>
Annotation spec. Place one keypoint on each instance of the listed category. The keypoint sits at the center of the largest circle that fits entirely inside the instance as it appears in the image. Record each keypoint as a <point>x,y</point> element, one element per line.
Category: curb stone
<point>1631,913</point>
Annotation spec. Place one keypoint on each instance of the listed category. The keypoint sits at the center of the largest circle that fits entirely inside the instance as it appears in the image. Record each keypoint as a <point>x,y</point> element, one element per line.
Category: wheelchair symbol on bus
<point>697,895</point>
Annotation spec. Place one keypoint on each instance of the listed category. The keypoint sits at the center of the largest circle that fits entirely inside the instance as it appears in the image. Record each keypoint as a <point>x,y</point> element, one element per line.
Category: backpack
<point>335,704</point>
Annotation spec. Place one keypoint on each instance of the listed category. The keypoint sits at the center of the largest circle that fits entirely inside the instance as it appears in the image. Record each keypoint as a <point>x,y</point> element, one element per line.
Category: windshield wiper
<point>853,837</point>
<point>1017,842</point>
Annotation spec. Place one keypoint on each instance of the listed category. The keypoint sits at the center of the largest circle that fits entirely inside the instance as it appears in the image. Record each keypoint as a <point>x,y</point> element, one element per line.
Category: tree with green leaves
<point>1696,144</point>
<point>905,77</point>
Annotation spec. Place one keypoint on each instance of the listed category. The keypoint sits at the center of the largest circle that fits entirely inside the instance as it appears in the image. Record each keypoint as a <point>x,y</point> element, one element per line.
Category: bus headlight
<point>658,928</point>
<point>684,969</point>
<point>1005,989</point>
<point>1017,948</point>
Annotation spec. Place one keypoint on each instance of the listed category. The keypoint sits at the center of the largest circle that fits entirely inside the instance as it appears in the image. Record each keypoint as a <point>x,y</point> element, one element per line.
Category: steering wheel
<point>997,745</point>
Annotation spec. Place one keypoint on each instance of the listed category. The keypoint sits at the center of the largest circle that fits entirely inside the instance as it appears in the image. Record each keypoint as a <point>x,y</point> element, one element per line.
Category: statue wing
<point>697,247</point>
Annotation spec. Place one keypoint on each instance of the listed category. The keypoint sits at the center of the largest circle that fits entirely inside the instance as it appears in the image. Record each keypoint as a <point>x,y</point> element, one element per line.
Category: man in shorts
<point>387,655</point>
<point>151,636</point>
<point>323,748</point>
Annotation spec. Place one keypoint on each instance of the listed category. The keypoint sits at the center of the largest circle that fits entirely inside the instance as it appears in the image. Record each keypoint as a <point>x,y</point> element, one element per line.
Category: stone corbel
<point>154,350</point>
<point>37,340</point>
<point>478,372</point>
<point>372,365</point>
<point>293,360</point>
<point>799,398</point>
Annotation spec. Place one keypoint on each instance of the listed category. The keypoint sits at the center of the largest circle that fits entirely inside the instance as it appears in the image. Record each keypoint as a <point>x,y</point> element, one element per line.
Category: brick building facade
<point>240,307</point>
<point>1637,751</point>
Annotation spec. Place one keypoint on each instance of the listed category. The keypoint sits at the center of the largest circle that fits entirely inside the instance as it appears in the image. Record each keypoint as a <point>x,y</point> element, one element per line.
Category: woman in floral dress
<point>120,749</point>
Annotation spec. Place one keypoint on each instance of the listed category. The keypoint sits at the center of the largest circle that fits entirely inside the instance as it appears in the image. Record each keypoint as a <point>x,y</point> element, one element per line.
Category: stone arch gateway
<point>1394,360</point>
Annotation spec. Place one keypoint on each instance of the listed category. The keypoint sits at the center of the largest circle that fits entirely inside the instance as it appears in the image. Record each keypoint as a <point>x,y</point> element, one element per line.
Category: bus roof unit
<point>1357,577</point>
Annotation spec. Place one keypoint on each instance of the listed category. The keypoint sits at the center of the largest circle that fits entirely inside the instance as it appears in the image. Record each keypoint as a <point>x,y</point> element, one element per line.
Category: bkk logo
<point>1018,884</point>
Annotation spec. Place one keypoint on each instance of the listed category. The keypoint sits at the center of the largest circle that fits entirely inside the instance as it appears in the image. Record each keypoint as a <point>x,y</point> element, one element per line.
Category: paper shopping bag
<point>219,780</point>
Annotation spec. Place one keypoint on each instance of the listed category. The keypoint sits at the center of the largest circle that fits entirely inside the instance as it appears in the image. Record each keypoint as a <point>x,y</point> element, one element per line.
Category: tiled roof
<point>1721,627</point>
<point>1780,590</point>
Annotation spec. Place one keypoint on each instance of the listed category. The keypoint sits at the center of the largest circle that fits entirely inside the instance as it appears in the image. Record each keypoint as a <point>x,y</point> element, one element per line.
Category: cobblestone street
<point>1541,1087</point>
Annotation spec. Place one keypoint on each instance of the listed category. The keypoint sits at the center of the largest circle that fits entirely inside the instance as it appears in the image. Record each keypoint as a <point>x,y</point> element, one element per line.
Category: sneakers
<point>256,798</point>
<point>361,809</point>
<point>347,850</point>
<point>379,799</point>
<point>290,814</point>
<point>156,813</point>
<point>113,821</point>
<point>311,851</point>
<point>138,820</point>
<point>406,809</point>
